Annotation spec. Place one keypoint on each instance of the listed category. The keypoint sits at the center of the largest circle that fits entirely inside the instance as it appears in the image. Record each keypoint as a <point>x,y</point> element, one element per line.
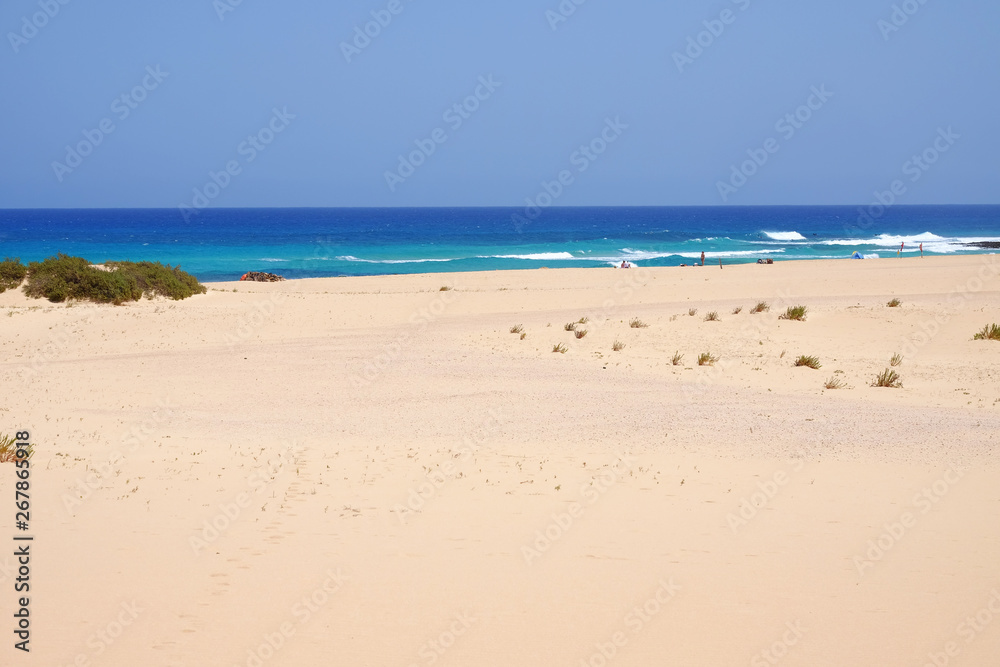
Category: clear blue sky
<point>892,90</point>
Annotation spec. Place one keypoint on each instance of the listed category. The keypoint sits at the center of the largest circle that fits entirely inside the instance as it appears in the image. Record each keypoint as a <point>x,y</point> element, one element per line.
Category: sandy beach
<point>376,471</point>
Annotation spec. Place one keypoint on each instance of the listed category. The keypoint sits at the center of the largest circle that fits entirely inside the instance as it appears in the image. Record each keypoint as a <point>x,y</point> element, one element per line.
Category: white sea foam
<point>352,258</point>
<point>542,256</point>
<point>784,236</point>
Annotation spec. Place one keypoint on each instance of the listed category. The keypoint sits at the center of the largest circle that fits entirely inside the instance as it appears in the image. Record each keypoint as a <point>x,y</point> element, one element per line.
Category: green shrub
<point>707,359</point>
<point>154,278</point>
<point>761,307</point>
<point>895,303</point>
<point>63,277</point>
<point>12,273</point>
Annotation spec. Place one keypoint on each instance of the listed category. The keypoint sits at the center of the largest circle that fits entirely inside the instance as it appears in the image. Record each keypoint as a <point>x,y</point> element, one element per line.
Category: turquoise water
<point>222,244</point>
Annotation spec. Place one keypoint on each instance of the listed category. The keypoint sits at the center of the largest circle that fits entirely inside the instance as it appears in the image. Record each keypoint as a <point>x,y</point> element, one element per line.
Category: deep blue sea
<point>222,244</point>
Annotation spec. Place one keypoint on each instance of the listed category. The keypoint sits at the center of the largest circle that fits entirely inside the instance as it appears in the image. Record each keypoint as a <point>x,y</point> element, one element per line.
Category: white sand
<point>326,406</point>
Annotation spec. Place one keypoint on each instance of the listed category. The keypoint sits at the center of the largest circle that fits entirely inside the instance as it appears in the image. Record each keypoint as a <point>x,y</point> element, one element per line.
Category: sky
<point>384,103</point>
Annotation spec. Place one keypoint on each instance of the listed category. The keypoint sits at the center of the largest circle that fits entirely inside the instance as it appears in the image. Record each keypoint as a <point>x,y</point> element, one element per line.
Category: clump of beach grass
<point>12,273</point>
<point>677,358</point>
<point>761,307</point>
<point>835,383</point>
<point>707,359</point>
<point>445,288</point>
<point>809,361</point>
<point>569,326</point>
<point>618,346</point>
<point>560,348</point>
<point>888,378</point>
<point>523,336</point>
<point>712,317</point>
<point>583,320</point>
<point>517,328</point>
<point>896,360</point>
<point>737,310</point>
<point>636,323</point>
<point>580,333</point>
<point>794,313</point>
<point>895,303</point>
<point>692,311</point>
<point>989,332</point>
<point>8,449</point>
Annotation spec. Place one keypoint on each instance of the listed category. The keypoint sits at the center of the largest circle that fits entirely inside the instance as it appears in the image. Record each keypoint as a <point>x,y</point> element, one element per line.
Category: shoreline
<point>395,442</point>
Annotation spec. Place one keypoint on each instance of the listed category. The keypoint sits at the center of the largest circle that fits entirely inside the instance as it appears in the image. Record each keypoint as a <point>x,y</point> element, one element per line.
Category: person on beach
<point>921,249</point>
<point>703,258</point>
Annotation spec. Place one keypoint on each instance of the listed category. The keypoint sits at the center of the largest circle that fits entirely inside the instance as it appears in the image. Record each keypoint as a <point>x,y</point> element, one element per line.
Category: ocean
<point>222,244</point>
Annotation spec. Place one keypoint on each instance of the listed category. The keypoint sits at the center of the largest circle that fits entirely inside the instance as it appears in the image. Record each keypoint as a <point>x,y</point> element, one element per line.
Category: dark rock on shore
<point>260,277</point>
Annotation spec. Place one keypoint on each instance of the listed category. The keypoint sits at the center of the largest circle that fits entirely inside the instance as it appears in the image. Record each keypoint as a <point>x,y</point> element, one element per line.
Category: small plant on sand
<point>523,336</point>
<point>835,383</point>
<point>887,378</point>
<point>895,303</point>
<point>677,358</point>
<point>706,359</point>
<point>12,274</point>
<point>712,317</point>
<point>580,333</point>
<point>811,362</point>
<point>636,323</point>
<point>618,346</point>
<point>896,360</point>
<point>989,332</point>
<point>583,320</point>
<point>737,310</point>
<point>570,326</point>
<point>783,353</point>
<point>445,288</point>
<point>794,313</point>
<point>517,328</point>
<point>8,449</point>
<point>761,307</point>
<point>560,348</point>
<point>692,312</point>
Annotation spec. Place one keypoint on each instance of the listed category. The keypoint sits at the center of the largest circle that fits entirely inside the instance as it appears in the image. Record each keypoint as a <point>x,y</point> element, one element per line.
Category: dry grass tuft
<point>707,359</point>
<point>989,332</point>
<point>887,378</point>
<point>810,362</point>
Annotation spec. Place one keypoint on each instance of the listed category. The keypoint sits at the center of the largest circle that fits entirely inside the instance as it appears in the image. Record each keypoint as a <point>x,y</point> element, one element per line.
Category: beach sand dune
<point>375,471</point>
